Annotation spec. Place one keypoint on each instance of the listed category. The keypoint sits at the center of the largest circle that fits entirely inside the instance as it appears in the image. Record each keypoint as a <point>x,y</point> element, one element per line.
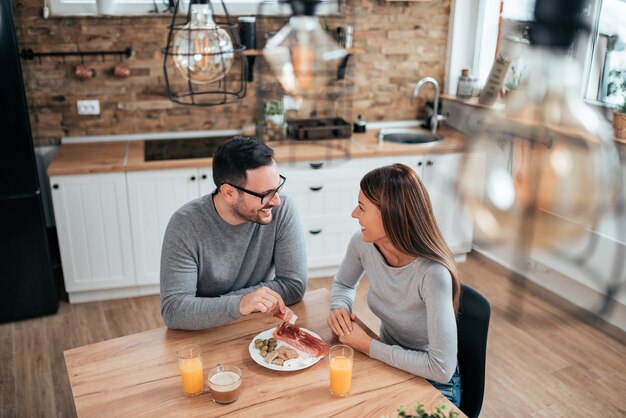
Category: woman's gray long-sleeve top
<point>414,304</point>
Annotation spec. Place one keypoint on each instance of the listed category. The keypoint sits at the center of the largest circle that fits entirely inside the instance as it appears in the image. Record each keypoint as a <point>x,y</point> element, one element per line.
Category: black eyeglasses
<point>265,197</point>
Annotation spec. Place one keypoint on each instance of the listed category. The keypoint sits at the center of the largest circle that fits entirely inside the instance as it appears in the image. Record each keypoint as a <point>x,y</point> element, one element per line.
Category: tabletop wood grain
<point>137,375</point>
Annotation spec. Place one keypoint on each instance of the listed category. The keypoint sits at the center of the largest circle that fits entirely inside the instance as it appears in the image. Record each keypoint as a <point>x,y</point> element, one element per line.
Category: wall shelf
<point>29,54</point>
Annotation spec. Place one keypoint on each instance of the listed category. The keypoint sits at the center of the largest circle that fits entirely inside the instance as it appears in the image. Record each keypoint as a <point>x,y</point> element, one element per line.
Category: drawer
<point>327,239</point>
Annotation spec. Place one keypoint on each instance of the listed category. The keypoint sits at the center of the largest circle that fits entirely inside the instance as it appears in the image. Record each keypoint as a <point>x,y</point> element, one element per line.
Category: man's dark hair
<point>235,156</point>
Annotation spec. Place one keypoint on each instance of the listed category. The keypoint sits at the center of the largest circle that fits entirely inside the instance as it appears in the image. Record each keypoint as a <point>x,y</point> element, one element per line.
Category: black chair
<point>473,324</point>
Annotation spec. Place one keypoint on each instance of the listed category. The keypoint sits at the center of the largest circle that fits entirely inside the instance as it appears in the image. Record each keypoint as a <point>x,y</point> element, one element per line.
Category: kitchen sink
<point>408,136</point>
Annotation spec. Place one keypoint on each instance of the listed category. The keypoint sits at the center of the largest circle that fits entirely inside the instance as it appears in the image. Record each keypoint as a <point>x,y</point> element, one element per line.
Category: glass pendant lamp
<point>548,156</point>
<point>204,55</point>
<point>302,55</point>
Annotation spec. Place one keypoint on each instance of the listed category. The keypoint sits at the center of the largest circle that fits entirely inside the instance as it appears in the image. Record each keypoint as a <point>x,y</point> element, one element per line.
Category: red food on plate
<point>287,316</point>
<point>301,340</point>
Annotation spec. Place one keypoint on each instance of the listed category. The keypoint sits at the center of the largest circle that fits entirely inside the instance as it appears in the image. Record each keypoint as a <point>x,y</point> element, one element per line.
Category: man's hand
<point>263,299</point>
<point>340,321</point>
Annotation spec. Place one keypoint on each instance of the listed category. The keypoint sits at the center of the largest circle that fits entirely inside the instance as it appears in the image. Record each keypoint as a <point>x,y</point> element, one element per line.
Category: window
<point>147,7</point>
<point>606,71</point>
<point>474,28</point>
<point>475,25</point>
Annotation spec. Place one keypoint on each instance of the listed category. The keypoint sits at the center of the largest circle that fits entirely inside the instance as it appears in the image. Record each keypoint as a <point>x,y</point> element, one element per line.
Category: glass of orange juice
<point>340,358</point>
<point>190,366</point>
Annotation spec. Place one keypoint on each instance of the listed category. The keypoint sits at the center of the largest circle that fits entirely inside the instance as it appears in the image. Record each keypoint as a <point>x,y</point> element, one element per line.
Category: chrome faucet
<point>434,120</point>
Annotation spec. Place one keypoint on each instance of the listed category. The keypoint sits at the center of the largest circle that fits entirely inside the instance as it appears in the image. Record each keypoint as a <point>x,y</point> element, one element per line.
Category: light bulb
<point>203,52</point>
<point>550,164</point>
<point>303,57</point>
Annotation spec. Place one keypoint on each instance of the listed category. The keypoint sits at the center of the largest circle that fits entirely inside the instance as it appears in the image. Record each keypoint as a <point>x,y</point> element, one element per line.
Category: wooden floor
<point>542,362</point>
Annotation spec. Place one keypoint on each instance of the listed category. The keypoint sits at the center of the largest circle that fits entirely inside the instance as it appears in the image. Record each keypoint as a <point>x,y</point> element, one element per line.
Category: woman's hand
<point>357,339</point>
<point>340,321</point>
<point>349,332</point>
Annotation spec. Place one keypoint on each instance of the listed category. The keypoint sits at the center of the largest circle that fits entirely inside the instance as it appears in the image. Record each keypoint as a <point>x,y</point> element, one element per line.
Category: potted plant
<point>274,111</point>
<point>419,412</point>
<point>273,123</point>
<point>619,119</point>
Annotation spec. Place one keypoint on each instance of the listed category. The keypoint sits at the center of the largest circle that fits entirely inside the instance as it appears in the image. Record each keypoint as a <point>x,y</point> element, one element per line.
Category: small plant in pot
<point>274,111</point>
<point>619,119</point>
<point>274,117</point>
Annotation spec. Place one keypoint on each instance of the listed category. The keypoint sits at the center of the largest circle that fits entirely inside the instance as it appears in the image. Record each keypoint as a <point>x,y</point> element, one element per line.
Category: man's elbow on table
<point>295,293</point>
<point>171,317</point>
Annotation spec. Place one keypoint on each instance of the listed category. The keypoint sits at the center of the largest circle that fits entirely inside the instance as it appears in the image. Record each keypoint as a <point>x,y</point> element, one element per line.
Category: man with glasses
<point>236,251</point>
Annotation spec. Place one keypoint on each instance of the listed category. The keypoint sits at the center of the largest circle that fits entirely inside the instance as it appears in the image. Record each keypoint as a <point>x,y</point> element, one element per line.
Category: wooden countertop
<point>122,156</point>
<point>95,157</point>
<point>138,375</point>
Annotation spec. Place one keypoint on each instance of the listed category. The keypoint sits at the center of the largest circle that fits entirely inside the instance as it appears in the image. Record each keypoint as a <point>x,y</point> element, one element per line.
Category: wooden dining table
<point>137,375</point>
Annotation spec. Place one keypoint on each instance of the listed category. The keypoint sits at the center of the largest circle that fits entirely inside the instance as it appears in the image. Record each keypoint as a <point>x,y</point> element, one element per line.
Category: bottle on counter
<point>465,86</point>
<point>360,125</point>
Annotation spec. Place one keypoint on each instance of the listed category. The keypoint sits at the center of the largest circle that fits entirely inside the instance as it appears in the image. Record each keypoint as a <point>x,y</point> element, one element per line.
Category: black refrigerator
<point>27,287</point>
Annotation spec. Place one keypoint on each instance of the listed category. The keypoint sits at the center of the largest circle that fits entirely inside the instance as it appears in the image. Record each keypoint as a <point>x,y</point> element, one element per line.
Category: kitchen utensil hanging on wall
<point>121,70</point>
<point>82,72</point>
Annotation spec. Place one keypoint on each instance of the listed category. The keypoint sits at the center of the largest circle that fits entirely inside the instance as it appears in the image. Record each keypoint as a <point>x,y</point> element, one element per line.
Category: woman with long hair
<point>414,281</point>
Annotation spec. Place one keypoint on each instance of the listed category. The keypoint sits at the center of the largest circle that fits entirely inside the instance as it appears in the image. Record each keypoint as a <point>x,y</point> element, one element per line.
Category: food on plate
<point>265,346</point>
<point>280,355</point>
<point>301,340</point>
<point>287,316</point>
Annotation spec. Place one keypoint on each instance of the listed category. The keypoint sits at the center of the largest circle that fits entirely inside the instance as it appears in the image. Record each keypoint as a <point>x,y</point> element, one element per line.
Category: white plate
<point>305,360</point>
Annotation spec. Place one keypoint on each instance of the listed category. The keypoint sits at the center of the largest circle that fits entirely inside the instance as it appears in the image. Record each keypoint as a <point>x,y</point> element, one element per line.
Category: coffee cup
<point>225,383</point>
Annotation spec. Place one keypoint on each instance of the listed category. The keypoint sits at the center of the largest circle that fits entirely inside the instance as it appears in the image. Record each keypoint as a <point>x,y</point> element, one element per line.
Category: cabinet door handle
<point>316,166</point>
<point>55,186</point>
<point>204,177</point>
<point>429,163</point>
<point>316,189</point>
<point>193,178</point>
<point>419,164</point>
<point>314,231</point>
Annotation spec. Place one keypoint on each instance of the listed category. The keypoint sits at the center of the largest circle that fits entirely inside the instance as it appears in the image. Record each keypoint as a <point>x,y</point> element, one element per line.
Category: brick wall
<point>403,41</point>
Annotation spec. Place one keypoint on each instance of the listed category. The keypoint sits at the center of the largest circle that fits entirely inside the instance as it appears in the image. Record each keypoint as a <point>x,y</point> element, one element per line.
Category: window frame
<point>465,44</point>
<point>61,8</point>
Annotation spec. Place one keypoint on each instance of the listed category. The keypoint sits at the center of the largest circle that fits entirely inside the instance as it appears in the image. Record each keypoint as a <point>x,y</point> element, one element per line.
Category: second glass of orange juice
<point>191,372</point>
<point>340,358</point>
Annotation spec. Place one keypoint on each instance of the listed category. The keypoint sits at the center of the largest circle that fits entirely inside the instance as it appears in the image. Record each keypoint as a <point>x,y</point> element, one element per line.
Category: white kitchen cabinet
<point>439,173</point>
<point>93,227</point>
<point>325,193</point>
<point>153,196</point>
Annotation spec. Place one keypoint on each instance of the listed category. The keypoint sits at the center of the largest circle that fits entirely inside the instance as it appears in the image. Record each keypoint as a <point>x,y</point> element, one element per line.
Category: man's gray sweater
<point>207,265</point>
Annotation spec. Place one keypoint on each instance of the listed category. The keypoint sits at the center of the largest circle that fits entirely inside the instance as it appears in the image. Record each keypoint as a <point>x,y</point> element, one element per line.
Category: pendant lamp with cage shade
<point>204,63</point>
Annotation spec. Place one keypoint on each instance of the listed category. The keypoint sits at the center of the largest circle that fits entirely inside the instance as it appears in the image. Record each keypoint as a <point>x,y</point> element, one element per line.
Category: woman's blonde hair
<point>408,217</point>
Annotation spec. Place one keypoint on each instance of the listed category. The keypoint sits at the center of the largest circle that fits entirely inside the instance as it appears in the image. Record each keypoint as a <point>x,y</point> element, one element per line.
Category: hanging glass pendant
<point>304,58</point>
<point>204,65</point>
<point>549,157</point>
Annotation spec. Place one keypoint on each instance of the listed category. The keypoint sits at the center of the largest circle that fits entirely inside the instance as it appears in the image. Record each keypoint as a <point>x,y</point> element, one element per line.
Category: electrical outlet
<point>88,107</point>
<point>289,103</point>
